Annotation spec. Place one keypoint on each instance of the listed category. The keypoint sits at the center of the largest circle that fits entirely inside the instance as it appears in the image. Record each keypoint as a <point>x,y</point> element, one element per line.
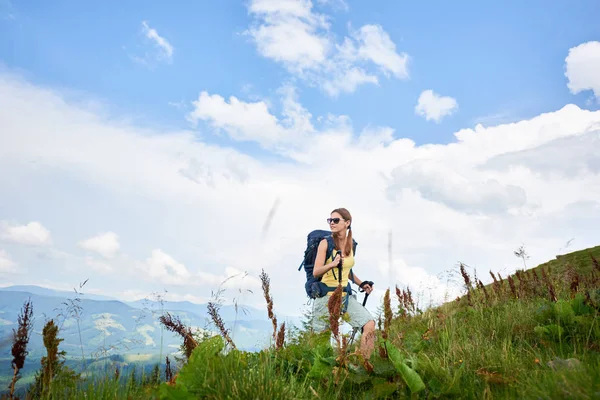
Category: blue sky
<point>500,61</point>
<point>109,162</point>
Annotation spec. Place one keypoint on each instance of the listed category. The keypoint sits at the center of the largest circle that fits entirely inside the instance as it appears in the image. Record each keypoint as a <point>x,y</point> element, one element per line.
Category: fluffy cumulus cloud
<point>105,244</point>
<point>581,68</point>
<point>32,233</point>
<point>435,107</point>
<point>192,216</point>
<point>292,33</point>
<point>163,266</point>
<point>254,122</point>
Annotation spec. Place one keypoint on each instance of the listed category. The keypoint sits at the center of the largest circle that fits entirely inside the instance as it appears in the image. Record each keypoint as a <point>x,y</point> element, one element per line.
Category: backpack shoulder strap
<point>330,246</point>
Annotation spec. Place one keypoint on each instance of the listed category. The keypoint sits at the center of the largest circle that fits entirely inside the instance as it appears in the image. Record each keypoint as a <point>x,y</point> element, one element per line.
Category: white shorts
<point>358,315</point>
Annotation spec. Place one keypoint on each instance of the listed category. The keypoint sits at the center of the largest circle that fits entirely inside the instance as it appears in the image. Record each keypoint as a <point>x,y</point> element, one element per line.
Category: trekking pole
<point>340,269</point>
<point>354,330</point>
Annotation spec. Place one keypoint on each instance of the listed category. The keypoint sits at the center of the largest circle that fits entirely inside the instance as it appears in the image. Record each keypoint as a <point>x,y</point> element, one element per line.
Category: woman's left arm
<point>352,276</point>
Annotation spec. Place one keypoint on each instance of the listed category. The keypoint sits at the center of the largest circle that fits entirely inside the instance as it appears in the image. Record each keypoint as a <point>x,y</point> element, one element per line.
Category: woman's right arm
<point>319,269</point>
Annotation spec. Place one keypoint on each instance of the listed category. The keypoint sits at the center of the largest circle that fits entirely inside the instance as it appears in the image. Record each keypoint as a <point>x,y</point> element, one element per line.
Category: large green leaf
<point>322,367</point>
<point>410,376</point>
<point>174,393</point>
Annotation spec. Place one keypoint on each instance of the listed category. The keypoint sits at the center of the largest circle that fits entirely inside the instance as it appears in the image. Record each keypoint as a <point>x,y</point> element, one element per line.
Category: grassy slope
<point>580,260</point>
<point>500,343</point>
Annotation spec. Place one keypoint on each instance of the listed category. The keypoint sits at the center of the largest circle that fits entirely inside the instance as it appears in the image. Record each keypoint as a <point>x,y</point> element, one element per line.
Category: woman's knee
<point>369,326</point>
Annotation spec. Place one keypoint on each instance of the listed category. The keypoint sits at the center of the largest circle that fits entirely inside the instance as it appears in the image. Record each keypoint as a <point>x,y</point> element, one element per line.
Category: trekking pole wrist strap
<point>363,283</point>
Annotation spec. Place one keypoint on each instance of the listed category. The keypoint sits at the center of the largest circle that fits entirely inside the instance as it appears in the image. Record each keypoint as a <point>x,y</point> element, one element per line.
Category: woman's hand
<point>336,261</point>
<point>367,288</point>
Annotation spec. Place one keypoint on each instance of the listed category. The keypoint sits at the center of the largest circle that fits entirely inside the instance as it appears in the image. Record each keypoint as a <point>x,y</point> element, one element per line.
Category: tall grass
<point>533,335</point>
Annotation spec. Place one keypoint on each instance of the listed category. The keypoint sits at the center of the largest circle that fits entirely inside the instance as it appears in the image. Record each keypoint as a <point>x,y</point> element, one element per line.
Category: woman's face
<point>337,223</point>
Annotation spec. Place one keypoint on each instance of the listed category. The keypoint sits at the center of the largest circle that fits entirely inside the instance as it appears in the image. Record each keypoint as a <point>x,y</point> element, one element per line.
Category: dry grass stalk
<point>20,341</point>
<point>174,324</point>
<point>572,277</point>
<point>409,298</point>
<point>465,276</point>
<point>342,361</point>
<point>405,299</point>
<point>335,308</point>
<point>280,337</point>
<point>402,309</point>
<point>480,284</point>
<point>537,283</point>
<point>468,283</point>
<point>168,370</point>
<point>213,311</point>
<point>266,286</point>
<point>497,287</point>
<point>595,262</point>
<point>523,287</point>
<point>387,310</point>
<point>511,283</point>
<point>549,286</point>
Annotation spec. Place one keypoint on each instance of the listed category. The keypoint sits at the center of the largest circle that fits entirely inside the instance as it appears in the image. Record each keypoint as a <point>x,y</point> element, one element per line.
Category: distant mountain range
<point>111,327</point>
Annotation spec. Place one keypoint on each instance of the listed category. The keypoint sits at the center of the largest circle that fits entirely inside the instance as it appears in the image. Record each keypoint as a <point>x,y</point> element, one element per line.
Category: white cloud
<point>335,4</point>
<point>434,107</point>
<point>291,33</point>
<point>252,121</point>
<point>6,264</point>
<point>164,267</point>
<point>165,49</point>
<point>582,66</point>
<point>99,266</point>
<point>32,234</point>
<point>443,203</point>
<point>106,244</point>
<point>374,44</point>
<point>241,120</point>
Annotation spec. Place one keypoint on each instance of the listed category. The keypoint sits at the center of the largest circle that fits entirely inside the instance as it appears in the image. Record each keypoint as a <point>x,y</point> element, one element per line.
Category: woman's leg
<point>320,315</point>
<point>360,317</point>
<point>367,339</point>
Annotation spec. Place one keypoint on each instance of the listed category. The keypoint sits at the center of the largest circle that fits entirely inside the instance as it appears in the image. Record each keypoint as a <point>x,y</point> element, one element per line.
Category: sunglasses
<point>334,220</point>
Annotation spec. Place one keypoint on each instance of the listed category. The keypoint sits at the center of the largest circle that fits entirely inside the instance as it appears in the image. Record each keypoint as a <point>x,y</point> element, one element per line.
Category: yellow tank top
<point>330,278</point>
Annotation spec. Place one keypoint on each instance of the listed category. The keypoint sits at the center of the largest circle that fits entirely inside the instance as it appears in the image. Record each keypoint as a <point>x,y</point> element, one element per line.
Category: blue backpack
<point>313,286</point>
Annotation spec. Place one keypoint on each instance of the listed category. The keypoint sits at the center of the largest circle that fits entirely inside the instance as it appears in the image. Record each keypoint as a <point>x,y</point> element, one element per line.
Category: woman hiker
<point>340,224</point>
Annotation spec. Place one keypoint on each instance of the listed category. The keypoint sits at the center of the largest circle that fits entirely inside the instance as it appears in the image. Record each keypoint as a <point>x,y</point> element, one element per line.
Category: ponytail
<point>348,248</point>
